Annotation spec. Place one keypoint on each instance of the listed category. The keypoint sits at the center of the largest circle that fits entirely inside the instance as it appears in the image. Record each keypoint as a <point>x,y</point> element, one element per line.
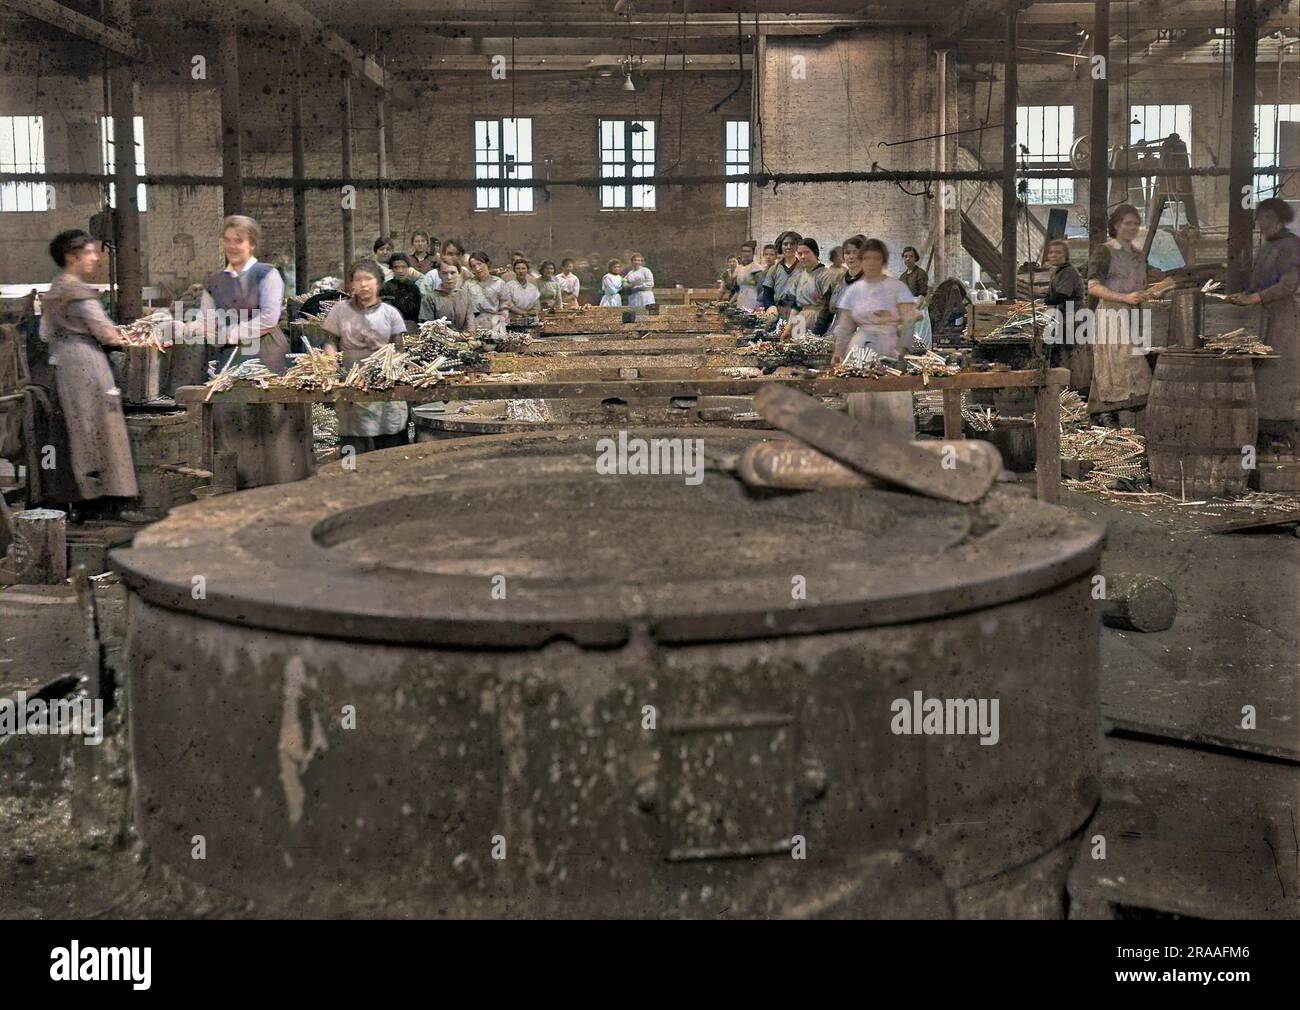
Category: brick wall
<point>685,240</point>
<point>826,106</point>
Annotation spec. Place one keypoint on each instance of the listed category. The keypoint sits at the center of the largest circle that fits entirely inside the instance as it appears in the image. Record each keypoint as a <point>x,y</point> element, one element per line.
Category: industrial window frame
<point>737,156</point>
<point>1046,192</point>
<point>1267,183</point>
<point>497,155</point>
<point>107,149</point>
<point>627,160</point>
<point>23,197</point>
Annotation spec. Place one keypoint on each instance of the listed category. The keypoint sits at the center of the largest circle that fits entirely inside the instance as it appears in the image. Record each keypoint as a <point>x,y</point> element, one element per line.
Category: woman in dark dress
<point>1067,294</point>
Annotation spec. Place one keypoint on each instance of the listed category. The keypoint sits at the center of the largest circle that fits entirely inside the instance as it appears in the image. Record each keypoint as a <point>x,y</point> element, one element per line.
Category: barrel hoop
<point>1170,402</point>
<point>1178,449</point>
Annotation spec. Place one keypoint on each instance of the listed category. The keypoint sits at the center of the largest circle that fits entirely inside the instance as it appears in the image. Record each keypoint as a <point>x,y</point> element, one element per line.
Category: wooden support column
<point>952,419</point>
<point>1047,437</point>
<point>232,174</point>
<point>1099,132</point>
<point>349,235</point>
<point>1241,159</point>
<point>939,265</point>
<point>300,262</point>
<point>381,106</point>
<point>126,217</point>
<point>1009,98</point>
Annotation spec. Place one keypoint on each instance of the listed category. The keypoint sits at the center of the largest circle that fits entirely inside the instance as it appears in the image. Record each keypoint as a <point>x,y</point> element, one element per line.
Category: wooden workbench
<point>668,383</point>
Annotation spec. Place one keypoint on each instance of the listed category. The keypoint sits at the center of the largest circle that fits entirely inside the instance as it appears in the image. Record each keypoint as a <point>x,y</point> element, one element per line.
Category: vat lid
<point>513,540</point>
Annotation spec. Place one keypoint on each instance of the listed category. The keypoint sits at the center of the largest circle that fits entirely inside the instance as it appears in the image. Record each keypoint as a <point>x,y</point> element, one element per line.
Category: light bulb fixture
<point>627,82</point>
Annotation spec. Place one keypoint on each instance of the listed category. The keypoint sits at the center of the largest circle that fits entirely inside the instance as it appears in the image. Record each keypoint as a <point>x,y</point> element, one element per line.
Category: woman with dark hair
<point>1274,279</point>
<point>452,249</point>
<point>611,285</point>
<point>781,280</point>
<point>639,283</point>
<point>487,292</point>
<point>421,258</point>
<point>382,250</point>
<point>1117,273</point>
<point>401,290</point>
<point>915,277</point>
<point>75,326</point>
<point>1067,295</point>
<point>851,250</point>
<point>521,298</point>
<point>241,306</point>
<point>569,283</point>
<point>358,326</point>
<point>877,312</point>
<point>748,277</point>
<point>548,287</point>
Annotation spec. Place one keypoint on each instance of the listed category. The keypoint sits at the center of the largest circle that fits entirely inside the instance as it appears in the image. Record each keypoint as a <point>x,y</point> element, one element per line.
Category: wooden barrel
<point>1200,415</point>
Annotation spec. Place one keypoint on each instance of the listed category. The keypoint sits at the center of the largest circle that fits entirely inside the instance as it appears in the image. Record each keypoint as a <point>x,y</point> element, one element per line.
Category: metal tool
<point>945,475</point>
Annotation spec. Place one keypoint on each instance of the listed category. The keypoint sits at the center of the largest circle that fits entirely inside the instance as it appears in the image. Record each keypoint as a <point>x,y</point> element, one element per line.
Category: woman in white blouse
<point>639,283</point>
<point>878,312</point>
<point>487,292</point>
<point>521,297</point>
<point>569,284</point>
<point>611,285</point>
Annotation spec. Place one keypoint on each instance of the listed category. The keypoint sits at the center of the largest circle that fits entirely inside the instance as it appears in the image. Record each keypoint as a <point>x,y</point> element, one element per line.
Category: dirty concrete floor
<point>1200,816</point>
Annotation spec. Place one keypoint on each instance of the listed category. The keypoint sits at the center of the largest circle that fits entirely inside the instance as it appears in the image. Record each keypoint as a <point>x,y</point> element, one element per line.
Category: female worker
<point>639,283</point>
<point>915,277</point>
<point>1066,296</point>
<point>421,258</point>
<point>878,312</point>
<point>358,326</point>
<point>569,285</point>
<point>521,299</point>
<point>241,307</point>
<point>748,276</point>
<point>812,292</point>
<point>1273,283</point>
<point>449,299</point>
<point>1117,273</point>
<point>781,279</point>
<point>611,285</point>
<point>73,323</point>
<point>851,251</point>
<point>453,250</point>
<point>548,287</point>
<point>487,292</point>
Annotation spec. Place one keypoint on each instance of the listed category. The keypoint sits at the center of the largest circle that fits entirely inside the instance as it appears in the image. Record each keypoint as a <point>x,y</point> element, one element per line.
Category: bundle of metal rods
<point>1236,341</point>
<point>250,370</point>
<point>321,370</point>
<point>151,331</point>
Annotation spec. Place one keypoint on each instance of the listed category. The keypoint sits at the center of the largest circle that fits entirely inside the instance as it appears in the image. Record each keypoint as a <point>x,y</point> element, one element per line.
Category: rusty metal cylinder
<point>490,677</point>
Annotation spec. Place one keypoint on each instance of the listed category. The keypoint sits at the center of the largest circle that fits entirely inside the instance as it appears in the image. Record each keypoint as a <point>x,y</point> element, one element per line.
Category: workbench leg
<point>1047,439</point>
<point>952,414</point>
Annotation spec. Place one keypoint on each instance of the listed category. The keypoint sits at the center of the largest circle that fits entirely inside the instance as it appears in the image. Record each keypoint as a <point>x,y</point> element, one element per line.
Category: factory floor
<point>1200,814</point>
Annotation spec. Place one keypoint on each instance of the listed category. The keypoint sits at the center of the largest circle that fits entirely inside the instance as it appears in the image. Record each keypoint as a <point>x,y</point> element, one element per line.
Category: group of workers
<point>855,302</point>
<point>1113,366</point>
<point>465,288</point>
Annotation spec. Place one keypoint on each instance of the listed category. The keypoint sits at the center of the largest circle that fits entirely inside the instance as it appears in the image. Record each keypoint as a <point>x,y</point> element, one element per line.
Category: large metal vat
<point>478,678</point>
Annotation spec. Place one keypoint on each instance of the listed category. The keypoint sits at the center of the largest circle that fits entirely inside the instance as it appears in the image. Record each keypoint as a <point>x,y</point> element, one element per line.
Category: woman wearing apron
<point>73,323</point>
<point>241,308</point>
<point>569,283</point>
<point>1117,273</point>
<point>877,312</point>
<point>521,299</point>
<point>548,286</point>
<point>358,327</point>
<point>1273,282</point>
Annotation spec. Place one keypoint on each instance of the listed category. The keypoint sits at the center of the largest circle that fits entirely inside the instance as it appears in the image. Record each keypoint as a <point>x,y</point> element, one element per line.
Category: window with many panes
<point>108,150</point>
<point>627,151</point>
<point>22,149</point>
<point>1153,123</point>
<point>1268,144</point>
<point>736,154</point>
<point>503,149</point>
<point>1044,134</point>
